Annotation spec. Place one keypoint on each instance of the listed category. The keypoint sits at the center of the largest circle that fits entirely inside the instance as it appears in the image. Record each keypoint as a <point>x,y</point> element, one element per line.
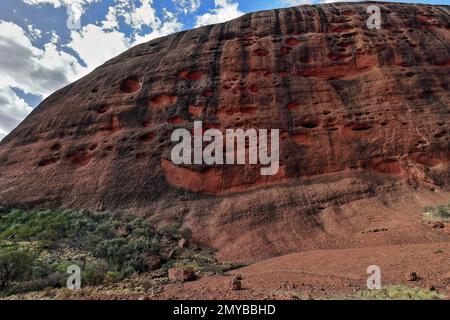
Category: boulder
<point>236,284</point>
<point>181,275</point>
<point>438,225</point>
<point>412,276</point>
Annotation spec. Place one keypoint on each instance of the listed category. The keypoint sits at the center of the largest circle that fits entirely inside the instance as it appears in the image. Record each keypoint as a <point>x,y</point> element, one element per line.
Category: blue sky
<point>46,44</point>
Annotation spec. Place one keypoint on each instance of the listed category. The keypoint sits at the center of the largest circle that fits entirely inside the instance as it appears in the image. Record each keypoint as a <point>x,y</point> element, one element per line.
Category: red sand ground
<point>325,274</point>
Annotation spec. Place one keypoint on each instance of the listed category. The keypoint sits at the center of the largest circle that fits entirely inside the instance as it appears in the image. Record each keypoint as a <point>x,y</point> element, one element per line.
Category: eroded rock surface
<point>360,112</point>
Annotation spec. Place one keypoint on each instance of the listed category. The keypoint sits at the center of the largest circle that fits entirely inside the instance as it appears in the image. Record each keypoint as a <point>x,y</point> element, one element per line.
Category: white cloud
<point>144,15</point>
<point>107,36</point>
<point>32,70</point>
<point>34,32</point>
<point>58,3</point>
<point>12,110</point>
<point>187,6</point>
<point>41,71</point>
<point>296,2</point>
<point>170,25</point>
<point>75,9</point>
<point>54,37</point>
<point>224,10</point>
<point>331,1</point>
<point>95,45</point>
<point>87,41</point>
<point>110,21</point>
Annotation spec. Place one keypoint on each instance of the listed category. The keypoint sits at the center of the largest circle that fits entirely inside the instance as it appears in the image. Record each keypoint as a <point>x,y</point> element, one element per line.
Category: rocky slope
<point>364,114</point>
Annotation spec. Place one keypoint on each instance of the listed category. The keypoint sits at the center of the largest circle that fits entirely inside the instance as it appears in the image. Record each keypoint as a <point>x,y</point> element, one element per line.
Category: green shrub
<point>113,276</point>
<point>94,274</point>
<point>128,271</point>
<point>105,229</point>
<point>15,265</point>
<point>41,270</point>
<point>171,230</point>
<point>53,280</point>
<point>398,292</point>
<point>440,213</point>
<point>443,212</point>
<point>114,251</point>
<point>59,238</point>
<point>186,233</point>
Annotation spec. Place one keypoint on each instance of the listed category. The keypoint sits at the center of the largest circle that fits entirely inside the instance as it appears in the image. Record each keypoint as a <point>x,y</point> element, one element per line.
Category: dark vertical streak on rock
<point>277,27</point>
<point>331,144</point>
<point>324,25</point>
<point>286,118</point>
<point>297,19</point>
<point>213,102</point>
<point>288,16</point>
<point>246,25</point>
<point>199,49</point>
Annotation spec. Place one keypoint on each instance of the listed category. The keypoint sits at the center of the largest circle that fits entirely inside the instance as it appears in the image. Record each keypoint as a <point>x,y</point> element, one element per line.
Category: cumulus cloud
<point>111,21</point>
<point>224,10</point>
<point>12,110</point>
<point>170,25</point>
<point>34,32</point>
<point>113,42</point>
<point>32,70</point>
<point>296,2</point>
<point>95,45</point>
<point>58,3</point>
<point>41,71</point>
<point>187,6</point>
<point>144,15</point>
<point>331,1</point>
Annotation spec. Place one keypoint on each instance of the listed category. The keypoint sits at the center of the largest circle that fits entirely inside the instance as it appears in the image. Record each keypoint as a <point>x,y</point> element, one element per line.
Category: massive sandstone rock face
<point>361,112</point>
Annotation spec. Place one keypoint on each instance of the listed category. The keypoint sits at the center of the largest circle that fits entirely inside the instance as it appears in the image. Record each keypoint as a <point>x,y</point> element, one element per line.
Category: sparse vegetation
<point>440,213</point>
<point>398,292</point>
<point>36,247</point>
<point>15,265</point>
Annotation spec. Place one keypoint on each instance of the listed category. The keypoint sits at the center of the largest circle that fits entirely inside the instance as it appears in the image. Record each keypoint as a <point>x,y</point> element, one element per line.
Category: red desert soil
<point>322,274</point>
<point>364,118</point>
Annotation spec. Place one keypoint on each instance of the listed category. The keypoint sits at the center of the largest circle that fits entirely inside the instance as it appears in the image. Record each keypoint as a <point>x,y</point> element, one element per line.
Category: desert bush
<point>186,233</point>
<point>171,230</point>
<point>105,230</point>
<point>41,225</point>
<point>15,265</point>
<point>127,271</point>
<point>113,277</point>
<point>59,238</point>
<point>441,212</point>
<point>399,292</point>
<point>53,280</point>
<point>114,251</point>
<point>41,270</point>
<point>94,274</point>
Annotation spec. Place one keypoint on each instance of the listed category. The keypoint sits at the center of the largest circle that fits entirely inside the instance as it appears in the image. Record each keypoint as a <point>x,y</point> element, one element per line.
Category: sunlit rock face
<point>369,107</point>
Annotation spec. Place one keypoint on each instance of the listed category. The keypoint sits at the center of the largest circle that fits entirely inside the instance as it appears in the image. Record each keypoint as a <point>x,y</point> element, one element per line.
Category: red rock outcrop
<point>361,112</point>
